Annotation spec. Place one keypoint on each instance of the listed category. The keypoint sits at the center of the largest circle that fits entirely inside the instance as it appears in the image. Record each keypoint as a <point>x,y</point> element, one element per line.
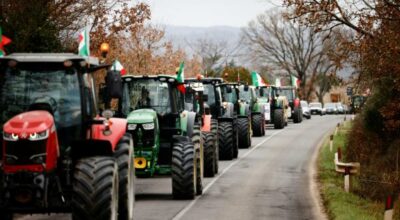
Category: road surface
<point>268,181</point>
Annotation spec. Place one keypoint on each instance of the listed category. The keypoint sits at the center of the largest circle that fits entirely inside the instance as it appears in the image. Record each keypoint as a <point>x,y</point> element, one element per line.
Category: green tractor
<point>294,102</point>
<point>167,137</point>
<point>277,106</point>
<point>248,94</point>
<point>243,113</point>
<point>195,100</point>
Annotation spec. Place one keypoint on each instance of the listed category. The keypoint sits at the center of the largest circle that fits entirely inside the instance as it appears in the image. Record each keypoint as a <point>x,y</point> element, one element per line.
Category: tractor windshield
<point>35,86</point>
<point>265,93</point>
<point>146,93</point>
<point>243,94</point>
<point>286,92</point>
<point>210,92</point>
<point>229,94</point>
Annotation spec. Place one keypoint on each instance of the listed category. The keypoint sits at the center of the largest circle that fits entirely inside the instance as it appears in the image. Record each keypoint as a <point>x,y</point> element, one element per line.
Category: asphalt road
<point>268,181</point>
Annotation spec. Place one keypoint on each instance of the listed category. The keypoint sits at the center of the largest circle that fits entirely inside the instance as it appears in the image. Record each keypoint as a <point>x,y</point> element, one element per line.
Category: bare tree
<point>294,49</point>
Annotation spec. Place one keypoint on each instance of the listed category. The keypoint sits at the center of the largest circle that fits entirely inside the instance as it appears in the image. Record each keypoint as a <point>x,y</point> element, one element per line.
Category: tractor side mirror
<point>246,88</point>
<point>205,97</point>
<point>229,89</point>
<point>113,84</point>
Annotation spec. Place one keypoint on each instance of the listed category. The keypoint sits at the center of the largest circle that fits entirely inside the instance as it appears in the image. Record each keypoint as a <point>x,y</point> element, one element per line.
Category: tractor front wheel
<point>183,170</point>
<point>214,130</point>
<point>244,132</point>
<point>124,157</point>
<point>199,148</point>
<point>209,154</point>
<point>279,121</point>
<point>95,189</point>
<point>257,125</point>
<point>225,140</point>
<point>297,115</point>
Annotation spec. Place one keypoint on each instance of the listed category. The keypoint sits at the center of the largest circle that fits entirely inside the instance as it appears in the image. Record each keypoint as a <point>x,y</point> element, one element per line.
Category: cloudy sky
<point>205,13</point>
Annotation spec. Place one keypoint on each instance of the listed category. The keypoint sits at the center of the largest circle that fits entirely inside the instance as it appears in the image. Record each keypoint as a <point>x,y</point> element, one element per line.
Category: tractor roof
<point>205,80</point>
<point>195,85</point>
<point>169,78</point>
<point>48,57</point>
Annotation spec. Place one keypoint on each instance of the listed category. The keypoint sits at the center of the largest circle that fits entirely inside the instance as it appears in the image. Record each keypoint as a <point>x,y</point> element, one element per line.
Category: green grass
<point>339,204</point>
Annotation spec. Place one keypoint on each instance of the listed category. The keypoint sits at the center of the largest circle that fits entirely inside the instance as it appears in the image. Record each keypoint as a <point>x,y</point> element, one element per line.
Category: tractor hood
<point>28,123</point>
<point>142,116</point>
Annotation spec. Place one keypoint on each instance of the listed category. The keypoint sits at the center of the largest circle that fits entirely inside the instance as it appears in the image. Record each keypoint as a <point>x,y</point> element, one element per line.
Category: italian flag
<point>3,41</point>
<point>257,80</point>
<point>180,77</point>
<point>117,66</point>
<point>278,82</point>
<point>83,49</point>
<point>295,81</point>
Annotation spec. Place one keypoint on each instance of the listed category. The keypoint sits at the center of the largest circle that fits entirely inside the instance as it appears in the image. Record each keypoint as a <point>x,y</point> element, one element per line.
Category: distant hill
<point>181,36</point>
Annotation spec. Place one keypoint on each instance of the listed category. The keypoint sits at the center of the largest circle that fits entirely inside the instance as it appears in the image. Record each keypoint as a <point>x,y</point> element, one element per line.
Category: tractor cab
<point>294,102</point>
<point>152,105</point>
<point>49,127</point>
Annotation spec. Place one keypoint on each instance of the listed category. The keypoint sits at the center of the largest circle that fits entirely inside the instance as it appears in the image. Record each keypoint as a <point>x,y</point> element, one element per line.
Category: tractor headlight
<point>37,136</point>
<point>148,126</point>
<point>225,105</point>
<point>132,126</point>
<point>10,136</point>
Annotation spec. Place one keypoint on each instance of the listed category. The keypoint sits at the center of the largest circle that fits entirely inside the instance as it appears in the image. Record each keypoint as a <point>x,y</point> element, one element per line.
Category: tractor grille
<point>21,152</point>
<point>143,138</point>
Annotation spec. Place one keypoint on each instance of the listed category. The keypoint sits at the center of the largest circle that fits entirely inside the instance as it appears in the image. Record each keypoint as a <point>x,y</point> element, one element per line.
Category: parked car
<point>316,108</point>
<point>340,108</point>
<point>330,108</point>
<point>305,108</point>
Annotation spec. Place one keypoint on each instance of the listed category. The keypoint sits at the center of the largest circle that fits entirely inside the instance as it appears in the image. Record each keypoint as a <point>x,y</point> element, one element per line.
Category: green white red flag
<point>83,49</point>
<point>180,77</point>
<point>3,41</point>
<point>295,81</point>
<point>117,66</point>
<point>257,80</point>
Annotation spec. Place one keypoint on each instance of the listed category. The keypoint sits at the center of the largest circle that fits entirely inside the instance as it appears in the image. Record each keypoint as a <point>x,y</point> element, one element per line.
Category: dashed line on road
<point>181,213</point>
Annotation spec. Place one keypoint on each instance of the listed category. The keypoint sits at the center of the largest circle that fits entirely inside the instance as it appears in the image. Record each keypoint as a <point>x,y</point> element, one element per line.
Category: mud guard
<point>117,128</point>
<point>206,127</point>
<point>187,122</point>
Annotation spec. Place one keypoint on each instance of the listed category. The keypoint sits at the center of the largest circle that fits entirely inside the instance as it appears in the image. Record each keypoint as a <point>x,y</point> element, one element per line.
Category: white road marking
<point>181,213</point>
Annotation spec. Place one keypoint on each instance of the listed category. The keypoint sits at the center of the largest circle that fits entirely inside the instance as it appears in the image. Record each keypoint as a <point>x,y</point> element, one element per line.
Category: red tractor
<point>57,154</point>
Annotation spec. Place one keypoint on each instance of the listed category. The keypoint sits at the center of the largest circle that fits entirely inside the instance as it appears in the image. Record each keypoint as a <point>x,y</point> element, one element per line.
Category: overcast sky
<point>205,13</point>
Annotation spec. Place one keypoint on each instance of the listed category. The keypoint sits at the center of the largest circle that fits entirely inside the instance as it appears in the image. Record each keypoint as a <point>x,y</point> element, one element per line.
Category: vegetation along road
<point>268,181</point>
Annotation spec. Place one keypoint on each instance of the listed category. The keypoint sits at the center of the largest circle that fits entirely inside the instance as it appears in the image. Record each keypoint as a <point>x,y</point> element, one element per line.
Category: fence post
<point>337,128</point>
<point>389,208</point>
<point>347,183</point>
<point>331,143</point>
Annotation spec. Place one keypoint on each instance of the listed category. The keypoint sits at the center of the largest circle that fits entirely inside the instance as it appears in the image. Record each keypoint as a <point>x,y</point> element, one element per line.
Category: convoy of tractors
<point>58,155</point>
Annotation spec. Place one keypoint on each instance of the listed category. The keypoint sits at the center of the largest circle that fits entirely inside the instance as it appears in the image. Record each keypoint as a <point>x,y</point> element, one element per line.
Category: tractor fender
<point>258,108</point>
<point>296,102</point>
<point>244,110</point>
<point>117,127</point>
<point>187,120</point>
<point>90,148</point>
<point>206,127</point>
<point>228,110</point>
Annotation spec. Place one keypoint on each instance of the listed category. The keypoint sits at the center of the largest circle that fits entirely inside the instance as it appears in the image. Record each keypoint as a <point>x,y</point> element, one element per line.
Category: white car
<point>316,108</point>
<point>306,109</point>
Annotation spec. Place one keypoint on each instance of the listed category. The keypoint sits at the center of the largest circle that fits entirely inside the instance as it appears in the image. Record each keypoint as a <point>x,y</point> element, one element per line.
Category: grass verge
<point>337,203</point>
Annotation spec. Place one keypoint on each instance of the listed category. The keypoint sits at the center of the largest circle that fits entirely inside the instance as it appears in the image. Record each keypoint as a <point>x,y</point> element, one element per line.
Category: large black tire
<point>95,189</point>
<point>214,130</point>
<point>225,140</point>
<point>257,125</point>
<point>124,157</point>
<point>243,127</point>
<point>297,115</point>
<point>236,140</point>
<point>199,148</point>
<point>279,121</point>
<point>209,154</point>
<point>183,170</point>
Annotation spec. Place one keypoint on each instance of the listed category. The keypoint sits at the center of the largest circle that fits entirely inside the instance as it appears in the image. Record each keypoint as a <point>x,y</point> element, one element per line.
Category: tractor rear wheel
<point>124,157</point>
<point>198,146</point>
<point>235,140</point>
<point>278,119</point>
<point>225,140</point>
<point>183,170</point>
<point>95,189</point>
<point>209,154</point>
<point>214,130</point>
<point>257,125</point>
<point>243,127</point>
